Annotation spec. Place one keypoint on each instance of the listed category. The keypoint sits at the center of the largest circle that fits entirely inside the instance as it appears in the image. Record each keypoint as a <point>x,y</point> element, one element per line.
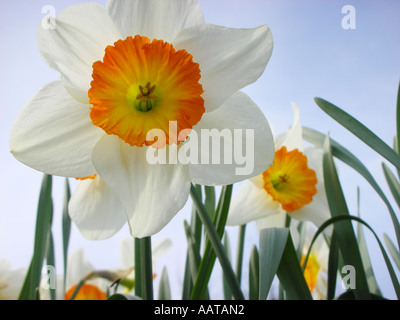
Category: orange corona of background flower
<point>289,180</point>
<point>86,292</point>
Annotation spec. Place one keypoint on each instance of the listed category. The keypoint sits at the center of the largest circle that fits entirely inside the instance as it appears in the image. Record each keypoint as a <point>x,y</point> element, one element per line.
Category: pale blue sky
<point>313,55</point>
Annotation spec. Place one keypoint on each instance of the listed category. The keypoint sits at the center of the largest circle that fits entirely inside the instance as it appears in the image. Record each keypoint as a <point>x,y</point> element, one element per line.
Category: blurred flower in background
<point>11,281</point>
<point>293,184</point>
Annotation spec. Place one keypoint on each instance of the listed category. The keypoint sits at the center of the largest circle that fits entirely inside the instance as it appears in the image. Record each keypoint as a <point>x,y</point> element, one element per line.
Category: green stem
<point>146,268</point>
<point>138,269</point>
<point>217,245</point>
<point>240,249</point>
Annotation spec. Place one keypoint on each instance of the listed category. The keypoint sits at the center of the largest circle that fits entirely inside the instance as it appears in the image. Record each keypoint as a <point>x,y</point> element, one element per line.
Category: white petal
<point>158,19</point>
<point>53,133</point>
<point>276,220</point>
<point>293,138</point>
<point>249,143</point>
<point>78,267</point>
<point>11,283</point>
<point>5,267</point>
<point>126,253</point>
<point>229,59</point>
<point>127,250</point>
<point>79,39</point>
<point>151,194</point>
<point>161,247</point>
<point>251,203</point>
<point>318,210</point>
<point>96,210</point>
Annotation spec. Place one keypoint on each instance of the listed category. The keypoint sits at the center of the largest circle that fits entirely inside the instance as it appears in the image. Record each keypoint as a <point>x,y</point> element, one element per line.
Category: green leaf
<point>225,285</point>
<point>362,244</point>
<point>393,183</point>
<point>164,290</point>
<point>398,117</point>
<point>209,201</point>
<point>338,219</point>
<point>344,230</point>
<point>347,157</point>
<point>193,252</point>
<point>394,253</point>
<point>272,245</point>
<point>208,260</point>
<point>50,260</point>
<point>350,295</point>
<point>43,225</point>
<point>254,274</point>
<point>78,287</point>
<point>197,229</point>
<point>290,273</point>
<point>333,263</point>
<point>215,239</point>
<point>66,228</point>
<point>25,290</point>
<point>187,285</point>
<point>360,131</point>
<point>239,252</point>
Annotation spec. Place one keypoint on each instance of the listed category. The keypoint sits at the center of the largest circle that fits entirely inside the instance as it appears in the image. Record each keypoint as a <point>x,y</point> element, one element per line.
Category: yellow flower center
<point>142,85</point>
<point>86,292</point>
<point>311,270</point>
<point>289,180</point>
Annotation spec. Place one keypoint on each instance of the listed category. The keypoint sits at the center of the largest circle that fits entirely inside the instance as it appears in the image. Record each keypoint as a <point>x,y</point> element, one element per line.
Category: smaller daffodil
<point>96,283</point>
<point>11,281</point>
<point>78,268</point>
<point>293,184</point>
<point>315,272</point>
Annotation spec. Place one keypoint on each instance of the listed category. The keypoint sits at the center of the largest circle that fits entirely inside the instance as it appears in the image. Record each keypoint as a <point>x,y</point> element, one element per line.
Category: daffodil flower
<point>126,70</point>
<point>98,282</point>
<point>293,184</point>
<point>78,268</point>
<point>11,280</point>
<point>316,270</point>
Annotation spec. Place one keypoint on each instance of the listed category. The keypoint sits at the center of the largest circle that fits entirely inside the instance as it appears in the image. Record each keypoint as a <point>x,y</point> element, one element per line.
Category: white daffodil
<point>316,269</point>
<point>97,282</point>
<point>11,281</point>
<point>293,184</point>
<point>78,268</point>
<point>131,71</point>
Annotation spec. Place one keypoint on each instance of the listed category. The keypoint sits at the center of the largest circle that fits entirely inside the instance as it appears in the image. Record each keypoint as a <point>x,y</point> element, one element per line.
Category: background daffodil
<point>11,281</point>
<point>98,282</point>
<point>293,184</point>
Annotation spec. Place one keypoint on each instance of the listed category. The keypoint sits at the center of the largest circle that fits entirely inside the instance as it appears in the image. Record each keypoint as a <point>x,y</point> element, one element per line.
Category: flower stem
<point>217,245</point>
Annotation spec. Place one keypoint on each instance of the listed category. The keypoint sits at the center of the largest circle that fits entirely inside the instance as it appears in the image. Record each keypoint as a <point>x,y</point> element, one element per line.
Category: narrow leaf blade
<point>272,245</point>
<point>344,230</point>
<point>360,131</point>
<point>43,225</point>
